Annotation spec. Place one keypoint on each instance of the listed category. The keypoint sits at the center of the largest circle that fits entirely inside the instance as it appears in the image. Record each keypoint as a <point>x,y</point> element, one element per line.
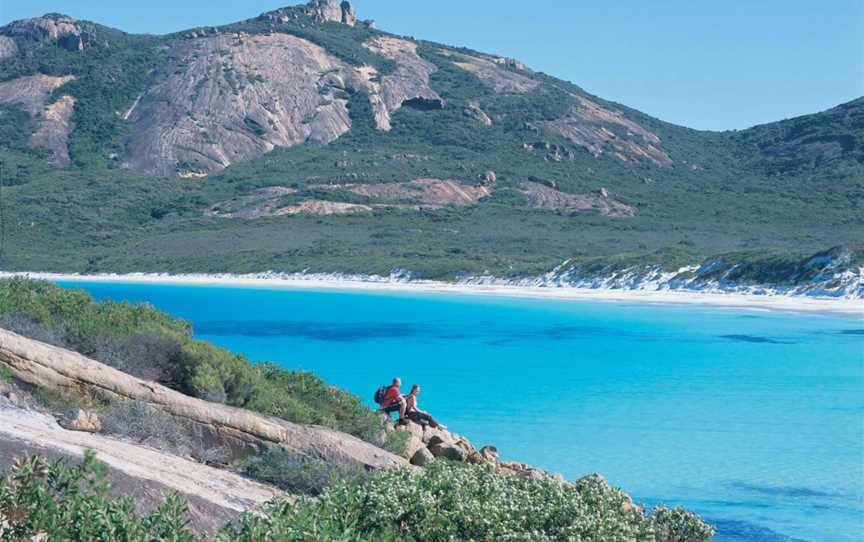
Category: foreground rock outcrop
<point>240,432</point>
<point>148,475</point>
<point>426,443</point>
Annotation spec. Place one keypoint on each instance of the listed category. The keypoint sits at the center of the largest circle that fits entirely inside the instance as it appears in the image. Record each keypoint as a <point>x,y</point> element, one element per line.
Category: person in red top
<point>393,400</point>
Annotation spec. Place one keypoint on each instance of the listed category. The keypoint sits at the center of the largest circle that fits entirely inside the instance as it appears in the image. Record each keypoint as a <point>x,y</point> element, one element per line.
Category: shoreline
<point>774,302</point>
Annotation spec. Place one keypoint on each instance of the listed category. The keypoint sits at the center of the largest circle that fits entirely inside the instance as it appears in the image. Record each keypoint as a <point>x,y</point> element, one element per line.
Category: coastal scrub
<point>444,502</point>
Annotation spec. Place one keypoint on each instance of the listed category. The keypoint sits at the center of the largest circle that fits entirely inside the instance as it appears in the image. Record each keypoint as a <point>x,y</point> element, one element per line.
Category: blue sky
<point>709,65</point>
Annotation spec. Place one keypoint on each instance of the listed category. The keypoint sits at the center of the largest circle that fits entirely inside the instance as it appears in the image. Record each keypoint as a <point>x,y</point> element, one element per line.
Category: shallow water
<point>754,419</point>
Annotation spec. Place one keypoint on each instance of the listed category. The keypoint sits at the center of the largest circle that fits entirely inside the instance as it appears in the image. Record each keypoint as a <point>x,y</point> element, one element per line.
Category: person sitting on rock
<point>413,412</point>
<point>393,400</point>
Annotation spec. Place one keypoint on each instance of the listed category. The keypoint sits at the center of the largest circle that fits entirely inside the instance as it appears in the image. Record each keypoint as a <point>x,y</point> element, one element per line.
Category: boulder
<point>456,448</point>
<point>76,42</point>
<point>474,112</point>
<point>431,434</point>
<point>533,474</point>
<point>489,454</point>
<point>422,457</point>
<point>413,446</point>
<point>448,450</point>
<point>489,178</point>
<point>416,430</point>
<point>84,421</point>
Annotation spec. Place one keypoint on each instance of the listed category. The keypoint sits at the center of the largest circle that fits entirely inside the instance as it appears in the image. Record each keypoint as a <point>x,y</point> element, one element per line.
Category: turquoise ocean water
<point>754,419</point>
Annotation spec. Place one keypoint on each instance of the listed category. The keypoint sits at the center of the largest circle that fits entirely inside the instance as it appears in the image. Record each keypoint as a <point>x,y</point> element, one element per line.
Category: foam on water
<point>754,419</point>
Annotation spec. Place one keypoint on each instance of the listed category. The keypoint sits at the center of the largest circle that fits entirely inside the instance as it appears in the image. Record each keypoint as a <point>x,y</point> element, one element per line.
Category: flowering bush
<point>450,502</point>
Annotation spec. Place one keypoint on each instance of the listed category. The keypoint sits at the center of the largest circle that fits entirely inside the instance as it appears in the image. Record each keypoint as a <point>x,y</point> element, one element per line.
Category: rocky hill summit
<point>333,10</point>
<point>231,94</point>
<point>57,29</point>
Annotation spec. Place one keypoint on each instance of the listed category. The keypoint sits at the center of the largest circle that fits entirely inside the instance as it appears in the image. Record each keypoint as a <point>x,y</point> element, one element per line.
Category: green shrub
<point>303,397</point>
<point>456,502</point>
<point>72,503</point>
<point>281,469</point>
<point>397,442</point>
<point>679,525</point>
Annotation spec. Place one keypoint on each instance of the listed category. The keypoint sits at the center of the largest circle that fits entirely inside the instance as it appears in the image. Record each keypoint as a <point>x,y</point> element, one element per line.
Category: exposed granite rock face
<point>547,196</point>
<point>473,111</point>
<point>229,98</point>
<point>235,97</point>
<point>596,128</point>
<point>55,121</point>
<point>61,30</point>
<point>492,71</point>
<point>31,92</point>
<point>588,124</point>
<point>428,192</point>
<point>408,85</point>
<point>84,421</point>
<point>240,432</point>
<point>54,130</point>
<point>333,11</point>
<point>8,47</point>
<point>554,152</point>
<point>415,194</point>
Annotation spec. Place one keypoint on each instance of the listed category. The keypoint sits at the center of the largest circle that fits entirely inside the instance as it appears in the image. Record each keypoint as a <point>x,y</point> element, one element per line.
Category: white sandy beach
<point>779,302</point>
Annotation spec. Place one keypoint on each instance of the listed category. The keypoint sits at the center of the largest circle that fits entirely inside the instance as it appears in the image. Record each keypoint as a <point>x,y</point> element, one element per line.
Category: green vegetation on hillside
<point>794,187</point>
<point>147,343</point>
<point>444,502</point>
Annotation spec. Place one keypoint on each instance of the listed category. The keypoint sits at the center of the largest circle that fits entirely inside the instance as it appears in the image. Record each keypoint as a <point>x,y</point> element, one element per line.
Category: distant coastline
<point>765,300</point>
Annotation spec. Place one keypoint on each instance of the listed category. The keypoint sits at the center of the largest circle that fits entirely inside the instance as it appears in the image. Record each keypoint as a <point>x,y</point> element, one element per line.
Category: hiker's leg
<point>388,410</point>
<point>423,418</point>
<point>401,408</point>
<point>415,417</point>
<point>431,421</point>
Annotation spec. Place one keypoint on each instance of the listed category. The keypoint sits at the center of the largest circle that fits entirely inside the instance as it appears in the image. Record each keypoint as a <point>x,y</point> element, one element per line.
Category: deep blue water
<point>754,419</point>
